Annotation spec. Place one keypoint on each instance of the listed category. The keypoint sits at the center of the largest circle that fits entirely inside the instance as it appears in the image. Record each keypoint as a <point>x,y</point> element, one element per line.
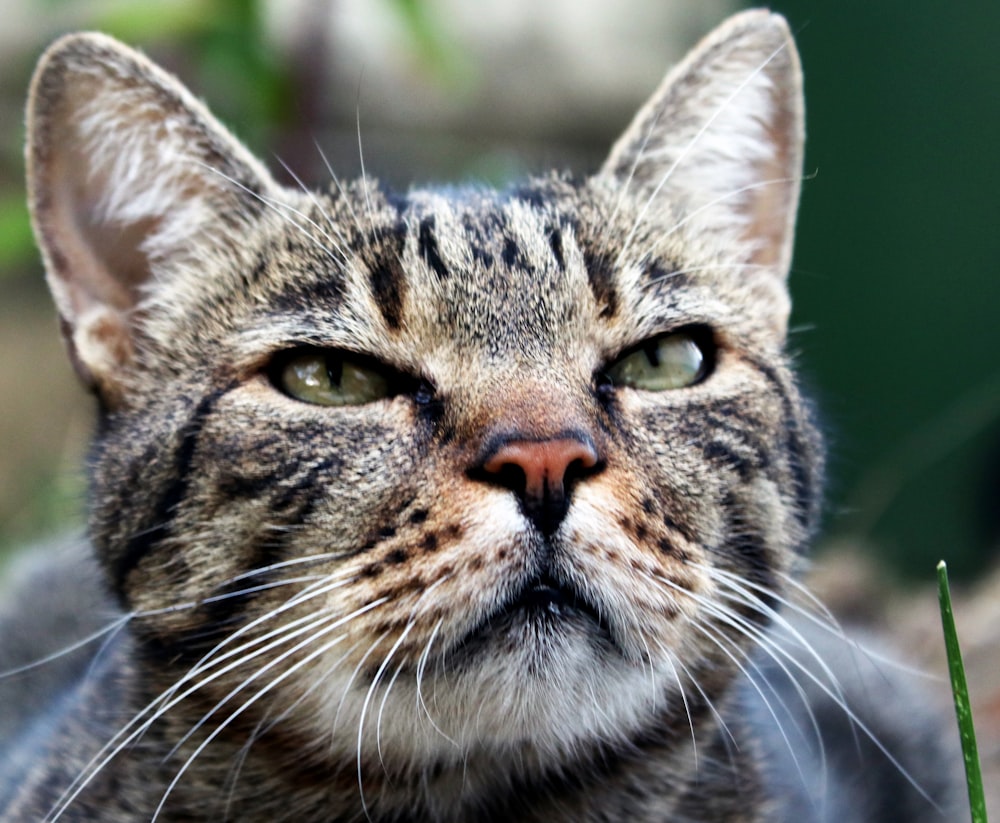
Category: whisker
<point>421,668</point>
<point>263,587</point>
<point>331,583</point>
<point>722,198</point>
<point>313,629</point>
<point>381,709</point>
<point>318,683</point>
<point>111,629</point>
<point>246,705</point>
<point>364,175</point>
<point>165,701</point>
<point>674,664</point>
<point>711,267</point>
<point>364,708</point>
<point>831,686</point>
<point>306,559</point>
<point>283,210</point>
<point>721,642</point>
<point>316,203</point>
<point>340,188</point>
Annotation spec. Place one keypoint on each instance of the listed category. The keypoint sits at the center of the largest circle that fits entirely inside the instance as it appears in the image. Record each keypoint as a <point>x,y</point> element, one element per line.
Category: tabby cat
<point>452,505</point>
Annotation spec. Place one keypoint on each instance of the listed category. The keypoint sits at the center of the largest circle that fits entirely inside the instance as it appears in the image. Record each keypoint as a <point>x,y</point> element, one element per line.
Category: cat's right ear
<point>130,179</point>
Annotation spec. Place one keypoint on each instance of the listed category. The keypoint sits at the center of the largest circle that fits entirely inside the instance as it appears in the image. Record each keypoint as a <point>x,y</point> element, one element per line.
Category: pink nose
<point>543,463</point>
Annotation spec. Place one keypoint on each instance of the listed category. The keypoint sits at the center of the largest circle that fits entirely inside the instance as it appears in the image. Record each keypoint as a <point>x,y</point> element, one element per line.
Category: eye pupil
<point>331,378</point>
<point>671,361</point>
<point>334,369</point>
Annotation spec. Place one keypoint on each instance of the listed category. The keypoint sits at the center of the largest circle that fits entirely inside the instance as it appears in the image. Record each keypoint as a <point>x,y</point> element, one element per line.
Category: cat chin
<point>541,706</point>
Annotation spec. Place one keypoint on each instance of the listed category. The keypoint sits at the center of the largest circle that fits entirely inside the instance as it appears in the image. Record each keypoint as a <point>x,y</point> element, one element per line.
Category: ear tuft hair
<point>721,141</point>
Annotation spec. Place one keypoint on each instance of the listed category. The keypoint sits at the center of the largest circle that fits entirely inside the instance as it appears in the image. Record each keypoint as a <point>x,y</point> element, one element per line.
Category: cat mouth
<point>547,596</point>
<point>543,604</point>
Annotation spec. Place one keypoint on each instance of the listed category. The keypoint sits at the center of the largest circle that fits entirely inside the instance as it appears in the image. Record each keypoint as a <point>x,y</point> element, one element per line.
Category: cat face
<point>452,472</point>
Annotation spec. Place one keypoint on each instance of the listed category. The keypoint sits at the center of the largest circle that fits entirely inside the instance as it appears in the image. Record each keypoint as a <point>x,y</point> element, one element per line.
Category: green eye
<point>669,362</point>
<point>330,378</point>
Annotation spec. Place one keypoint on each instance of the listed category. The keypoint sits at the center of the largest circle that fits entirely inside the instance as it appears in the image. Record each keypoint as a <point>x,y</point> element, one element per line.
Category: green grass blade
<point>963,709</point>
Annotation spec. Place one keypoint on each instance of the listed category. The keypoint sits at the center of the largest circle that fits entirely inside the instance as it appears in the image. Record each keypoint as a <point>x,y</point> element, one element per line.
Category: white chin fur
<point>539,702</point>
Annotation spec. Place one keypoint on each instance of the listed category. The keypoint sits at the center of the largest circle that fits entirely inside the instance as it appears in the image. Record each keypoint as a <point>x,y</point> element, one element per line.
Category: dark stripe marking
<point>166,509</point>
<point>716,451</point>
<point>427,248</point>
<point>556,244</point>
<point>386,279</point>
<point>746,546</point>
<point>599,267</point>
<point>513,258</point>
<point>807,487</point>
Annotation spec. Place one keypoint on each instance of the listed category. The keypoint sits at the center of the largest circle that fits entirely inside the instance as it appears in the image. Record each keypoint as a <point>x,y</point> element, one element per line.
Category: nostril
<point>578,469</point>
<point>543,464</point>
<point>510,476</point>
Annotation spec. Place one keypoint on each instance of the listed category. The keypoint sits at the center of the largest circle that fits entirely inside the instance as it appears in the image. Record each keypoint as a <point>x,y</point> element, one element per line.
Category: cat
<point>451,505</point>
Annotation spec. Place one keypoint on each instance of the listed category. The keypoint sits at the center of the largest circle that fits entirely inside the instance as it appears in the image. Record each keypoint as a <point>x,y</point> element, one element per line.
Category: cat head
<point>536,454</point>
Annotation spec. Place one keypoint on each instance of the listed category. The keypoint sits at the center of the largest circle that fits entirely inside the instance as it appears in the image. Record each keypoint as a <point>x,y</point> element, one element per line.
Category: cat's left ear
<point>721,142</point>
<point>130,182</point>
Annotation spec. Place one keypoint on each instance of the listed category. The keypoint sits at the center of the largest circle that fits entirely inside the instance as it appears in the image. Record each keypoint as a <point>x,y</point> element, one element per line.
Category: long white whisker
<point>316,202</point>
<point>381,710</point>
<point>340,187</point>
<point>318,683</point>
<point>263,587</point>
<point>627,182</point>
<point>830,687</point>
<point>721,642</point>
<point>710,267</point>
<point>246,705</point>
<point>316,632</point>
<point>708,702</point>
<point>322,586</point>
<point>364,709</point>
<point>165,702</point>
<point>674,664</point>
<point>284,210</point>
<point>111,629</point>
<point>421,668</point>
<point>760,184</point>
<point>314,629</point>
<point>295,561</point>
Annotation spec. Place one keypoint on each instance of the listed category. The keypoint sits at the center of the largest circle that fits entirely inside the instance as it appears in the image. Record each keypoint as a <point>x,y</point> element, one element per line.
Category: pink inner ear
<point>773,205</point>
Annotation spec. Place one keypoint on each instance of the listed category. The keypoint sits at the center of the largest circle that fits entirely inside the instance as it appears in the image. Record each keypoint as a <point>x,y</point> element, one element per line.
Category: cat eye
<point>331,378</point>
<point>672,361</point>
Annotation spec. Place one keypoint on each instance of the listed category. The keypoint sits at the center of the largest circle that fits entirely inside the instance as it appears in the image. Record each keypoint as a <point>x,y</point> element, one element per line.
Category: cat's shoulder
<point>56,623</point>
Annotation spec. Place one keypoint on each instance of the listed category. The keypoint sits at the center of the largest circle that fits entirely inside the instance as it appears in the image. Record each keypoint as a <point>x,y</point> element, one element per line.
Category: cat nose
<point>541,473</point>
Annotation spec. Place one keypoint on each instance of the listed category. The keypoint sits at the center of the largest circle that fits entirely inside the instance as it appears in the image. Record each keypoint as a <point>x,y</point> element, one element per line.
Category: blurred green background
<point>895,271</point>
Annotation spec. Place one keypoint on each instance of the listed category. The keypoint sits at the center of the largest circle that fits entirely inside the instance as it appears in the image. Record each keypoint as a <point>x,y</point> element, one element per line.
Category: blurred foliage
<point>435,51</point>
<point>17,244</point>
<point>895,271</point>
<point>225,53</point>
